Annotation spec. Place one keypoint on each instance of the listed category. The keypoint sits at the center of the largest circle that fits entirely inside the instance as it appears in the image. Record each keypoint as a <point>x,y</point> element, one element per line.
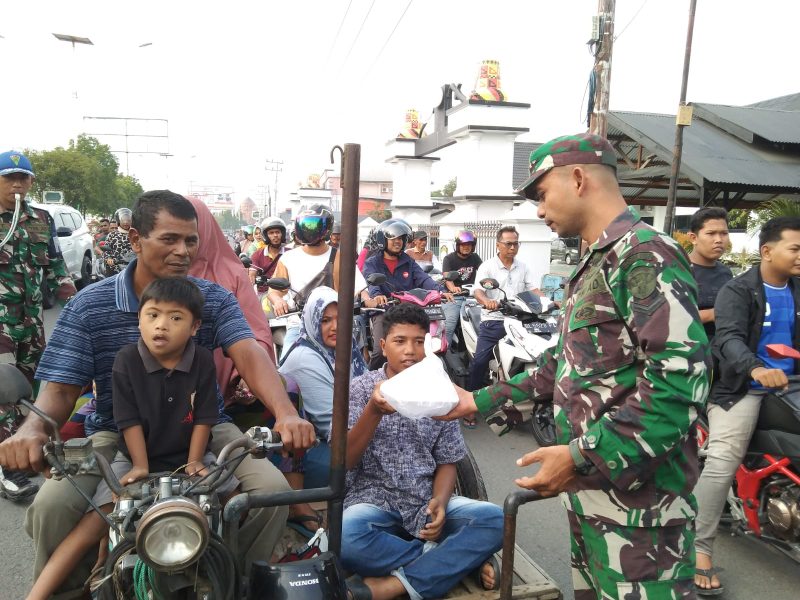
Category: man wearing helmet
<point>402,273</point>
<point>336,235</point>
<point>466,262</point>
<point>267,257</point>
<point>311,265</point>
<point>118,246</point>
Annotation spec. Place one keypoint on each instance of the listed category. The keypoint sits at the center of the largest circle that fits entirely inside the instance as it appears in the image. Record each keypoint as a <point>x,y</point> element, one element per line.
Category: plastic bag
<point>422,390</point>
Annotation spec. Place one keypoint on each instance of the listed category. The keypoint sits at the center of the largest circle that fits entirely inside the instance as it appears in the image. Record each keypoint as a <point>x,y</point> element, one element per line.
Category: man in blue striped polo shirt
<point>93,327</point>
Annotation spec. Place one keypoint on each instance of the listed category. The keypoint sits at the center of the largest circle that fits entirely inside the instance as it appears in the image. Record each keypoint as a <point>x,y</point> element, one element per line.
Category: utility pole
<point>602,66</point>
<point>683,119</point>
<point>276,166</point>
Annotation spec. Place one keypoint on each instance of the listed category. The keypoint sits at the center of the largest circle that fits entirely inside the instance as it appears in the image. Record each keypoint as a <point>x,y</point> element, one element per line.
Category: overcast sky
<point>241,82</point>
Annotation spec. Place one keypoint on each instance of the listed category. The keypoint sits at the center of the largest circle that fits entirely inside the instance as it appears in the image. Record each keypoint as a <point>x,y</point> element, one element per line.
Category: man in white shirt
<point>514,277</point>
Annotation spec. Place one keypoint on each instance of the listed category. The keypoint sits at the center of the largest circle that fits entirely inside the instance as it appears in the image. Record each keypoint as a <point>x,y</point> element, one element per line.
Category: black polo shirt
<point>166,403</point>
<point>709,282</point>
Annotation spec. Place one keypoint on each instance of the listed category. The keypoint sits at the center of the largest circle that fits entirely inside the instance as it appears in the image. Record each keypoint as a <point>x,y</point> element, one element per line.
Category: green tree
<point>777,207</point>
<point>447,190</point>
<point>227,220</point>
<point>379,214</point>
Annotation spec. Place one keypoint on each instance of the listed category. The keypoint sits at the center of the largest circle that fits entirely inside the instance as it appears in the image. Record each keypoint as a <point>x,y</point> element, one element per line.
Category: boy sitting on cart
<point>403,529</point>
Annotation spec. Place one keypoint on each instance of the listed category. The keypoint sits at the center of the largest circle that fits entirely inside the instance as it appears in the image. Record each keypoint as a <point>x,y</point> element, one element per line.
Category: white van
<point>76,244</point>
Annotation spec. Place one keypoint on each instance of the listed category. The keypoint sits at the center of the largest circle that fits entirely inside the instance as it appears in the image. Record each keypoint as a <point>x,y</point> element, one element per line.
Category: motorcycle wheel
<point>469,481</point>
<point>543,424</point>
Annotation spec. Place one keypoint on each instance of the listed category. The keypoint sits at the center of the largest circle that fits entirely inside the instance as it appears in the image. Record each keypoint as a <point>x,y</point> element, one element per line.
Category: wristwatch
<point>583,465</point>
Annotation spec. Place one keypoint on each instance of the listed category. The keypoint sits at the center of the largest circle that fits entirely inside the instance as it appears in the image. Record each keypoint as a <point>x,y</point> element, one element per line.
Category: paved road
<point>752,570</point>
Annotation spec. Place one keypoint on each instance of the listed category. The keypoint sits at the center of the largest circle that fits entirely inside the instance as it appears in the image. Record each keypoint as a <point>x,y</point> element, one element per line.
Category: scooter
<point>764,501</point>
<point>169,536</point>
<point>531,326</point>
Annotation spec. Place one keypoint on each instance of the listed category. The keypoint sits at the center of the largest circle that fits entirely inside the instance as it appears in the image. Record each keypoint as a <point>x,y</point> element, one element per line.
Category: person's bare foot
<point>488,576</point>
<point>703,582</point>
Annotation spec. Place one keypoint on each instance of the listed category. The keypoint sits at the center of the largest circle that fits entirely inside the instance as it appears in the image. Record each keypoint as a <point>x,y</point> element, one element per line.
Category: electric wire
<point>386,43</point>
<point>633,18</point>
<point>355,39</point>
<point>338,31</point>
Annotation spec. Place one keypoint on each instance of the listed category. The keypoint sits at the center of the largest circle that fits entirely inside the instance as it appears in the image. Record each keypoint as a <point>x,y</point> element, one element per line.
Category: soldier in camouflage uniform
<point>30,253</point>
<point>627,378</point>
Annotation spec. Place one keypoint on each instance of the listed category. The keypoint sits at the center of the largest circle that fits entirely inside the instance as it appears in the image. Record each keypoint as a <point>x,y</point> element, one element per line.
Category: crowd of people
<point>176,345</point>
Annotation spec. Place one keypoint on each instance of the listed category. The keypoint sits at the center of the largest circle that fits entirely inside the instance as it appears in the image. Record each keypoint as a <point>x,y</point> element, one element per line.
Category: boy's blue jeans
<point>374,544</point>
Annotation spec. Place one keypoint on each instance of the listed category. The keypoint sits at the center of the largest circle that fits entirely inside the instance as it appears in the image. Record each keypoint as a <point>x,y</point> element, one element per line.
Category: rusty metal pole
<point>350,177</point>
<point>681,121</point>
<point>602,68</point>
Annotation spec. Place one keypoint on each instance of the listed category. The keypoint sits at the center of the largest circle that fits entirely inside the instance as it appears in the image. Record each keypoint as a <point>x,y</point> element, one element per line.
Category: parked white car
<point>76,244</point>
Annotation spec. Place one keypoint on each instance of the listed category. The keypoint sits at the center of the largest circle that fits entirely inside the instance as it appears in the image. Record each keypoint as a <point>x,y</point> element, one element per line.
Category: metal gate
<point>433,236</point>
<point>486,232</point>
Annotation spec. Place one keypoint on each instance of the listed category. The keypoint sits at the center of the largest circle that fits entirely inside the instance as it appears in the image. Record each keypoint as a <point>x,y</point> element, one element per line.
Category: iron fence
<point>486,233</point>
<point>433,236</point>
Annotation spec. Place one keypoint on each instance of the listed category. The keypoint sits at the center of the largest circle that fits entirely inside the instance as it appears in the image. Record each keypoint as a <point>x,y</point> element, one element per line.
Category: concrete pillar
<point>534,237</point>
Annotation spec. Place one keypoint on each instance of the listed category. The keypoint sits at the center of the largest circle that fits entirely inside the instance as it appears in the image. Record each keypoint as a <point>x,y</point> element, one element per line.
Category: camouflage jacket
<point>30,254</point>
<point>627,377</point>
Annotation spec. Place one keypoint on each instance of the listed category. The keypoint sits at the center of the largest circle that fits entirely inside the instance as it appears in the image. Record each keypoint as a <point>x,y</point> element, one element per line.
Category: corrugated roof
<point>710,155</point>
<point>776,126</point>
<point>788,102</point>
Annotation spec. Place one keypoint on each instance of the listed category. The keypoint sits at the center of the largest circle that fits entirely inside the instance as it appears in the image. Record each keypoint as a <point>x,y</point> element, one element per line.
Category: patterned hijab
<point>311,330</point>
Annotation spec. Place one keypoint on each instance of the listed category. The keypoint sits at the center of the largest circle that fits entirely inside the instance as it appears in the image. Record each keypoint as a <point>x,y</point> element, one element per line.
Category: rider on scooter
<point>401,271</point>
<point>464,260</point>
<point>267,258</point>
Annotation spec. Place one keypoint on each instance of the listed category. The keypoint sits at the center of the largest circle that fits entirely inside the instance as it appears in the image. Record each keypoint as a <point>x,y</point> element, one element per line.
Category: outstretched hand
<point>556,475</point>
<point>466,406</point>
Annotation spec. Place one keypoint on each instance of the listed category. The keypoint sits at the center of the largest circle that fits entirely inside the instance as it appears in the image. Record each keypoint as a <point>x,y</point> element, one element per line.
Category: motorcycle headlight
<point>172,534</point>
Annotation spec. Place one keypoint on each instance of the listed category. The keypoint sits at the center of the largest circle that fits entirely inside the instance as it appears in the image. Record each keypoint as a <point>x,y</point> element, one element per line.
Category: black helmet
<point>274,223</point>
<point>312,225</point>
<point>391,229</point>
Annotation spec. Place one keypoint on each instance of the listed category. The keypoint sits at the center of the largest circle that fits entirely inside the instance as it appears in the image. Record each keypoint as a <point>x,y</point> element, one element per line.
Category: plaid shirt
<point>397,468</point>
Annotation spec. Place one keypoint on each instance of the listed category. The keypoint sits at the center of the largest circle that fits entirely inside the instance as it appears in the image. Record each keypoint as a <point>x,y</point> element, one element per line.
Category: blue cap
<point>15,162</point>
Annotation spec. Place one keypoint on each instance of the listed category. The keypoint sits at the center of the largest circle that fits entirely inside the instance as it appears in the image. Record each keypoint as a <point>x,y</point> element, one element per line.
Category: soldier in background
<point>627,379</point>
<point>28,252</point>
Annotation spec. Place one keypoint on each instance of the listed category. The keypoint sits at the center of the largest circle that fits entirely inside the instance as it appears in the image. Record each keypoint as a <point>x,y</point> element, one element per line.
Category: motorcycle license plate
<point>435,313</point>
<point>541,327</point>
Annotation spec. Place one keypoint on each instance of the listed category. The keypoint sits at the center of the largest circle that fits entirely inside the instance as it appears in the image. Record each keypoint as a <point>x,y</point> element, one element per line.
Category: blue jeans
<point>489,334</point>
<point>374,544</point>
<point>452,312</point>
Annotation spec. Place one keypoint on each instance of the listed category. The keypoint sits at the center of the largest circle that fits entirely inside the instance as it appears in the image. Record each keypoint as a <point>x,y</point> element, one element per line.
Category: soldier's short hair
<point>178,290</point>
<point>772,230</point>
<point>506,229</point>
<point>149,204</point>
<point>405,314</point>
<point>707,214</point>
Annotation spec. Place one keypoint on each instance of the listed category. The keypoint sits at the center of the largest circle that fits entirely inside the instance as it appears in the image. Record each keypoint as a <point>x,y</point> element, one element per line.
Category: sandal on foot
<point>357,589</point>
<point>492,560</point>
<point>303,522</point>
<point>470,423</point>
<point>709,573</point>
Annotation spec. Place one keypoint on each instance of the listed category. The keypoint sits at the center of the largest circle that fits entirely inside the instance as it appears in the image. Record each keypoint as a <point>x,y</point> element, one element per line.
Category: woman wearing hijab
<point>216,261</point>
<point>310,362</point>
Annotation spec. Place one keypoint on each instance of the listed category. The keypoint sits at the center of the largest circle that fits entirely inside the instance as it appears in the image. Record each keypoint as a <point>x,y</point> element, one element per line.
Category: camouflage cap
<point>579,149</point>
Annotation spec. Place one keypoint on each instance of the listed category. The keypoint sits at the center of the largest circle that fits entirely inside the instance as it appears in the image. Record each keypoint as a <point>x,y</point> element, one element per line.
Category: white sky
<point>241,82</point>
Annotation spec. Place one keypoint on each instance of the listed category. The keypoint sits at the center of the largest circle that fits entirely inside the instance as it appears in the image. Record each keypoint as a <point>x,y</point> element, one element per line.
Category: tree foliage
<point>778,207</point>
<point>447,190</point>
<point>88,174</point>
<point>380,214</point>
<point>227,220</point>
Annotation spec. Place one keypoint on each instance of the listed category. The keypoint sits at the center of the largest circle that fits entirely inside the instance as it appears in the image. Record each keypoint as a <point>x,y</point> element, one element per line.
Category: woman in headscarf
<point>310,362</point>
<point>216,261</point>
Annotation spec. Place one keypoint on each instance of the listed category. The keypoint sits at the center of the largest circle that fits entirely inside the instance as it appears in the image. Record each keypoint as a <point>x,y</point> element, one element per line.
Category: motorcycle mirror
<point>782,351</point>
<point>376,279</point>
<point>14,387</point>
<point>451,275</point>
<point>427,268</point>
<point>246,262</point>
<point>279,283</point>
<point>490,284</point>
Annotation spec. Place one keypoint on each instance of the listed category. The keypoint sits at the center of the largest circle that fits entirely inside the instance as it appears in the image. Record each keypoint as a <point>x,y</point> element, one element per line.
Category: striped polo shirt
<point>102,318</point>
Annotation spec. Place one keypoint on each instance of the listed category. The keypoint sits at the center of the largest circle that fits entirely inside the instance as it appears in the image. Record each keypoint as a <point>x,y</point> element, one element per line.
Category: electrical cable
<point>633,18</point>
<point>396,25</point>
<point>355,39</point>
<point>590,103</point>
<point>338,31</point>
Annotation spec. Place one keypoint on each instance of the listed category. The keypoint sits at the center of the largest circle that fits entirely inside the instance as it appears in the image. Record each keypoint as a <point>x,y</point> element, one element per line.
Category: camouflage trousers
<point>22,346</point>
<point>631,563</point>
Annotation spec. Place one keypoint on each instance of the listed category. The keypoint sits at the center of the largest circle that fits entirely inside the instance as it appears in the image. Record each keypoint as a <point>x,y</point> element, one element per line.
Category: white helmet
<point>274,223</point>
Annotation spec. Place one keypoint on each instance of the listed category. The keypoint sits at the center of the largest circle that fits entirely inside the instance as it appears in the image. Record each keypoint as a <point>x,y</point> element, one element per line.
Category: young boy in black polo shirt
<point>165,403</point>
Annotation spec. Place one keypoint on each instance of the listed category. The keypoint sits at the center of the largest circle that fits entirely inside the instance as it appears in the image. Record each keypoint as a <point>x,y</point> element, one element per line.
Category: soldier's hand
<point>556,474</point>
<point>466,406</point>
<point>770,378</point>
<point>23,450</point>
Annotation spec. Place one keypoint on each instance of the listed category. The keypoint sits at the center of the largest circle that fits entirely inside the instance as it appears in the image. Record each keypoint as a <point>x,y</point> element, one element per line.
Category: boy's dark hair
<point>772,230</point>
<point>706,214</point>
<point>104,220</point>
<point>506,229</point>
<point>405,314</point>
<point>149,204</point>
<point>179,290</point>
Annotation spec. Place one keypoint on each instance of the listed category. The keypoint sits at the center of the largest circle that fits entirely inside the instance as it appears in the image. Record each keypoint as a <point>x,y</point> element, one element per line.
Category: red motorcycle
<point>764,500</point>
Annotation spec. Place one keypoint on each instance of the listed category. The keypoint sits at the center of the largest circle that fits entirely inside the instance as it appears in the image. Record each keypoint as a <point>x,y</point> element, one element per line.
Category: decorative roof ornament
<point>412,129</point>
<point>487,87</point>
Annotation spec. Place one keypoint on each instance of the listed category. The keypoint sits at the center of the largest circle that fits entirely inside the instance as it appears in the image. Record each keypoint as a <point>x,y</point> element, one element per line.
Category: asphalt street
<point>751,569</point>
